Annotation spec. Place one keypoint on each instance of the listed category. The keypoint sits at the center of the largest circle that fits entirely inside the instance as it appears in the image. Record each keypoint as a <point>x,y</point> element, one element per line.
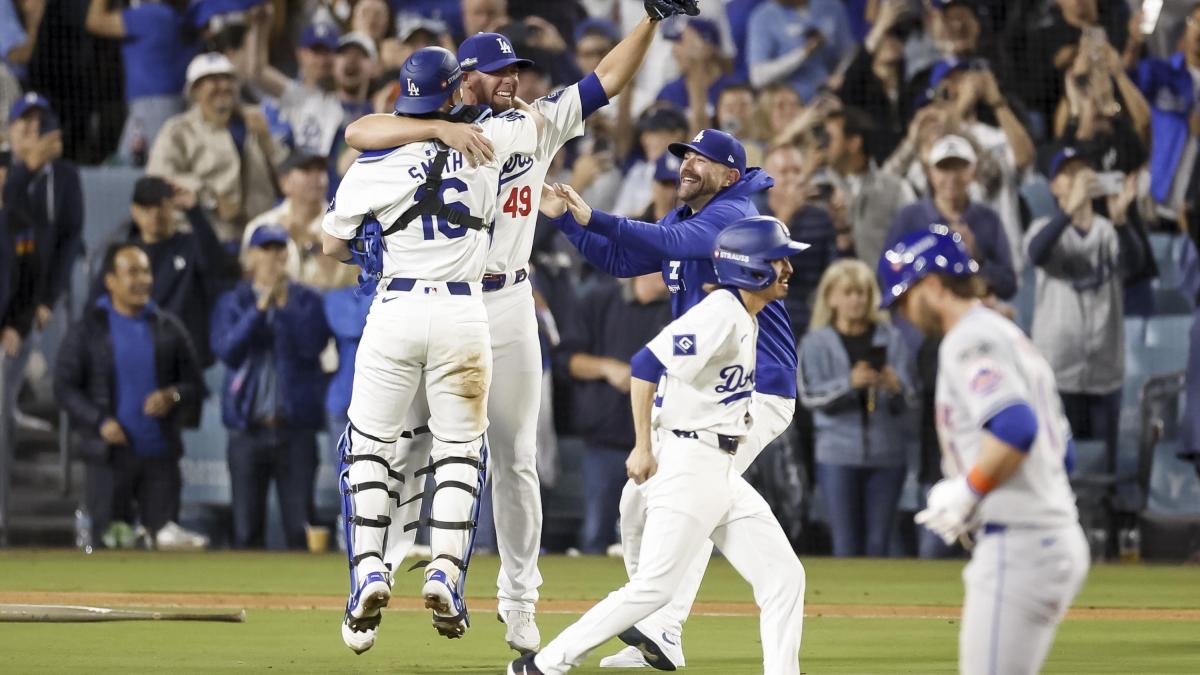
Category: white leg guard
<point>459,470</point>
<point>370,494</point>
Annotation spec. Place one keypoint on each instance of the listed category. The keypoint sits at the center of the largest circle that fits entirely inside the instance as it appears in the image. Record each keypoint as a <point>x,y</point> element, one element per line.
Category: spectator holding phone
<point>1082,259</point>
<point>856,376</point>
<point>799,42</point>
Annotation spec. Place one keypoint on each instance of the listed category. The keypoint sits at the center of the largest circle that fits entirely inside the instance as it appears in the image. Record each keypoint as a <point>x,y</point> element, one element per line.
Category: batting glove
<point>658,10</point>
<point>950,509</point>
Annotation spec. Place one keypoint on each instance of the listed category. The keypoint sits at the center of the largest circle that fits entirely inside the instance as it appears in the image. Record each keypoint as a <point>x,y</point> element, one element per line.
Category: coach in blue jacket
<point>269,332</point>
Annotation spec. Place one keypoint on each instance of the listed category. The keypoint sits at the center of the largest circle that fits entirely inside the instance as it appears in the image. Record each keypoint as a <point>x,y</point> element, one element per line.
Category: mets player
<point>715,187</point>
<point>491,74</point>
<point>1006,451</point>
<point>691,389</point>
<point>419,217</point>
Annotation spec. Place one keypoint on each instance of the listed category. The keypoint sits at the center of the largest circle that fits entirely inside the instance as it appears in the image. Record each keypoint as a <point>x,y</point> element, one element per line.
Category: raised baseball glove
<point>661,9</point>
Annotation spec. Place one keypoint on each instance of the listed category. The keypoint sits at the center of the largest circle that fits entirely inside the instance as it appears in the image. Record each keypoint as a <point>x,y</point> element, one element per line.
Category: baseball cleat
<point>363,639</point>
<point>524,666</point>
<point>629,657</point>
<point>449,611</point>
<point>521,631</point>
<point>661,650</point>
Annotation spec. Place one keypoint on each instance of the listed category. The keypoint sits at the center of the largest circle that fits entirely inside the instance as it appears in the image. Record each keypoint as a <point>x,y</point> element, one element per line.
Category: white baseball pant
<point>427,334</point>
<point>772,416</point>
<point>1019,584</point>
<point>697,493</point>
<point>513,403</point>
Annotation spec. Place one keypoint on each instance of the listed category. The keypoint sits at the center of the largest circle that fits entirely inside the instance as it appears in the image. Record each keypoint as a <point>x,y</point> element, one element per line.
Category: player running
<point>715,187</point>
<point>419,216</point>
<point>491,74</point>
<point>691,389</point>
<point>1006,450</point>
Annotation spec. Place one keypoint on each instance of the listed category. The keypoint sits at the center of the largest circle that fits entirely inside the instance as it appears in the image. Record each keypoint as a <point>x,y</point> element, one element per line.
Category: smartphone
<point>1151,10</point>
<point>820,136</point>
<point>877,357</point>
<point>979,63</point>
<point>1109,183</point>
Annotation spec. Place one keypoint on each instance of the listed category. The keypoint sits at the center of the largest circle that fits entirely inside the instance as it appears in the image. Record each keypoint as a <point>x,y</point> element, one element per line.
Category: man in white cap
<point>951,170</point>
<point>217,149</point>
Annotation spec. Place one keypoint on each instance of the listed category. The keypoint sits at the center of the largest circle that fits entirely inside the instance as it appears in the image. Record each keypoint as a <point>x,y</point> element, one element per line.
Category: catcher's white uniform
<point>1031,556</point>
<point>702,406</point>
<point>427,324</point>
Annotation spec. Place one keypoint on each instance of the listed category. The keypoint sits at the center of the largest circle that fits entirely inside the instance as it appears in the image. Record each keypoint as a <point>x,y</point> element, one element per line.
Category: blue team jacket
<point>1167,86</point>
<point>680,246</point>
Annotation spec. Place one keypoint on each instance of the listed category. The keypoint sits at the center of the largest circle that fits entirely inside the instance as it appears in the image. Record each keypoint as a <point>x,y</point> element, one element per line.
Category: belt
<point>405,285</point>
<point>727,443</point>
<point>994,528</point>
<point>494,282</point>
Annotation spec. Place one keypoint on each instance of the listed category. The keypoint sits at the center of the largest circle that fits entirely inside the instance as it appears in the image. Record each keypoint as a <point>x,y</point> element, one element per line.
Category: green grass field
<point>308,641</point>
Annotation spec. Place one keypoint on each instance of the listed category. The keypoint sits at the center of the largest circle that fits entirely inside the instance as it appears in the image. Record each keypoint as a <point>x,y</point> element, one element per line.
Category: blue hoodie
<point>680,246</point>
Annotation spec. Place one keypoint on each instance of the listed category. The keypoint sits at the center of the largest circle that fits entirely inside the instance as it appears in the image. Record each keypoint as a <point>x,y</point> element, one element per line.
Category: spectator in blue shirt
<point>798,41</point>
<point>129,380</point>
<point>346,311</point>
<point>157,43</point>
<point>1172,87</point>
<point>270,333</point>
<point>704,71</point>
<point>738,13</point>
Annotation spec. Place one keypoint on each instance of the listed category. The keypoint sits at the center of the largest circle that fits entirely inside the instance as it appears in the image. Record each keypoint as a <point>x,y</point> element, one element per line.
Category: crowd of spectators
<point>875,118</point>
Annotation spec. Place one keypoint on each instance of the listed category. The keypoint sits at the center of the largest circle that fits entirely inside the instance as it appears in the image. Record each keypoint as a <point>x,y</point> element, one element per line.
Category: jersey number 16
<point>428,221</point>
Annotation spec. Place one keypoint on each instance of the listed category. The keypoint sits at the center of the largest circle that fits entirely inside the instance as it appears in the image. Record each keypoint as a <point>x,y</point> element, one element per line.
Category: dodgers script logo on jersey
<point>738,383</point>
<point>515,167</point>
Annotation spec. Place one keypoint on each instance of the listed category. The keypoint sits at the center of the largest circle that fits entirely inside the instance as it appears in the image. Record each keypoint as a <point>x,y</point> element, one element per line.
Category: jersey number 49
<point>519,202</point>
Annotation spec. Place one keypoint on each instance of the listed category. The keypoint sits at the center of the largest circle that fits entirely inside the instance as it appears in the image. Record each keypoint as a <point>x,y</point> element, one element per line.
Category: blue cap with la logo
<point>488,52</point>
<point>716,145</point>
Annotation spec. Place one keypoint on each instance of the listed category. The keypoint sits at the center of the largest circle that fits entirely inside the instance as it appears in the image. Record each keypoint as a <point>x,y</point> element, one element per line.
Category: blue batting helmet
<point>917,255</point>
<point>427,79</point>
<point>744,251</point>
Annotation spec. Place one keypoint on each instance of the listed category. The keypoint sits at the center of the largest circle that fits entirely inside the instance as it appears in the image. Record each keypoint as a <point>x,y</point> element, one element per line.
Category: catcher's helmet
<point>917,255</point>
<point>744,251</point>
<point>428,77</point>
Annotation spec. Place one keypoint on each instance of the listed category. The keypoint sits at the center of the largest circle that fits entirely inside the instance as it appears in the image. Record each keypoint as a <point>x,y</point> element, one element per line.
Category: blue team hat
<point>488,52</point>
<point>1060,159</point>
<point>943,4</point>
<point>320,34</point>
<point>919,254</point>
<point>30,101</point>
<point>597,26</point>
<point>707,29</point>
<point>716,145</point>
<point>942,69</point>
<point>267,235</point>
<point>743,252</point>
<point>666,169</point>
<point>428,77</point>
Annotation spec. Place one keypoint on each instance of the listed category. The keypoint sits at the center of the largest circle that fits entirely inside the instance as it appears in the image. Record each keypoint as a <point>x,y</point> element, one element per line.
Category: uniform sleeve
<point>566,109</point>
<point>689,239</point>
<point>512,133</point>
<point>984,374</point>
<point>688,343</point>
<point>365,189</point>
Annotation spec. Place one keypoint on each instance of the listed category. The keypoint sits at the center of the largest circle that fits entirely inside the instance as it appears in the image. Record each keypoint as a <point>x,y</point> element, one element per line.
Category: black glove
<point>661,9</point>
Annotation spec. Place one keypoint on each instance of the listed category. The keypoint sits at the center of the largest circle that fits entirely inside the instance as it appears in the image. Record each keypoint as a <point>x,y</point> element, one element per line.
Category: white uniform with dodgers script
<point>517,361</point>
<point>697,493</point>
<point>427,323</point>
<point>1031,556</point>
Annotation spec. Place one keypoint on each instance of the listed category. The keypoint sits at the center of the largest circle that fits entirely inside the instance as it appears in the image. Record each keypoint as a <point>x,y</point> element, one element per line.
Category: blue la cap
<point>1060,159</point>
<point>716,145</point>
<point>320,34</point>
<point>707,30</point>
<point>488,52</point>
<point>30,101</point>
<point>267,235</point>
<point>942,69</point>
<point>666,169</point>
<point>597,26</point>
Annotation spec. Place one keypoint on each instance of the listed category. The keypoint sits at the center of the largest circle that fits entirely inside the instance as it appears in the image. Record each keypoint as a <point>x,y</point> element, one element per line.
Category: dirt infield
<point>253,601</point>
